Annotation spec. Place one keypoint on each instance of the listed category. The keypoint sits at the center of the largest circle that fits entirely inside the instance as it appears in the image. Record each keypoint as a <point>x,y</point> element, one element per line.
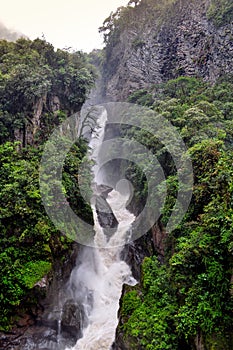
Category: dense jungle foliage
<point>189,295</point>
<point>33,76</point>
<point>185,296</point>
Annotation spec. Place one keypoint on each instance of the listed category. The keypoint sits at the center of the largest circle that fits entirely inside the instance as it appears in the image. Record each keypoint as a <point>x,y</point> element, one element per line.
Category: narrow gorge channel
<point>116,177</point>
<point>81,312</point>
<point>99,278</point>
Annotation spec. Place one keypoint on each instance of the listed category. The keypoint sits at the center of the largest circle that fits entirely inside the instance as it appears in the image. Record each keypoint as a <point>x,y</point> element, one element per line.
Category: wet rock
<point>38,327</point>
<point>103,190</point>
<point>105,215</point>
<point>25,321</point>
<point>159,236</point>
<point>135,252</point>
<point>72,318</point>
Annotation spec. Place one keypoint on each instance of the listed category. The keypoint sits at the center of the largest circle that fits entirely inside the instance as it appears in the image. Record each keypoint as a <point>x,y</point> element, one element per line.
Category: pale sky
<point>65,23</point>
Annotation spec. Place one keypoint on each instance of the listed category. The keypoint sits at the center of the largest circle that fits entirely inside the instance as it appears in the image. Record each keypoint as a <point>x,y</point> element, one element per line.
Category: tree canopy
<point>39,88</point>
<point>190,294</point>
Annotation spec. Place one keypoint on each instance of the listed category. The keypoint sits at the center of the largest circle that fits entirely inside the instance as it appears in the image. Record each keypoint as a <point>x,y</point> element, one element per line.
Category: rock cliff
<point>159,40</point>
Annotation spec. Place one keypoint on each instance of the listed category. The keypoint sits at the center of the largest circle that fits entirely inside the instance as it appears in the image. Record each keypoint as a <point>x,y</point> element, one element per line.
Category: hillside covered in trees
<point>39,88</point>
<point>184,300</point>
<point>175,58</point>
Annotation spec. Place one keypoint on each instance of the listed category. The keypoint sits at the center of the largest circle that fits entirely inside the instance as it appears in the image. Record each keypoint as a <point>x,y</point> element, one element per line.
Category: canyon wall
<point>157,41</point>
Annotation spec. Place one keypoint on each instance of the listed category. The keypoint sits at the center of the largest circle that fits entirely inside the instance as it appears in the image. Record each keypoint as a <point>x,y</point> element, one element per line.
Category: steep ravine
<point>149,50</point>
<point>153,46</point>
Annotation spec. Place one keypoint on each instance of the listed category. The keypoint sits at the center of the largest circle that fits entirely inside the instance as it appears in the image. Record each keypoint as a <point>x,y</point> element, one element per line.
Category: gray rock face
<point>103,190</point>
<point>105,216</point>
<point>155,47</point>
<point>72,318</point>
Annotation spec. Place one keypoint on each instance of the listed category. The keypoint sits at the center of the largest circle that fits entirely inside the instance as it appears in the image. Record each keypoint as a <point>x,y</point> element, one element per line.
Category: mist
<point>9,34</point>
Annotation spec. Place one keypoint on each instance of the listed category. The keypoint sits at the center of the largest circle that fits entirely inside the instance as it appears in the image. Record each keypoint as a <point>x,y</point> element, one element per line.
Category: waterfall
<point>98,280</point>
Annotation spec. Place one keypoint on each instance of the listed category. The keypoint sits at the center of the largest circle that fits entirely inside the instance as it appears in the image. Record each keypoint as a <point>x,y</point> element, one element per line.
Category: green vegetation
<point>190,294</point>
<point>151,321</point>
<point>186,293</point>
<point>33,272</point>
<point>220,11</point>
<point>125,16</point>
<point>39,88</point>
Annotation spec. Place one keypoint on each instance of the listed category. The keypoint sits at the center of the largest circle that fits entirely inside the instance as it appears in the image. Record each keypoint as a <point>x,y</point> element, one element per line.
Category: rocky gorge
<point>149,44</point>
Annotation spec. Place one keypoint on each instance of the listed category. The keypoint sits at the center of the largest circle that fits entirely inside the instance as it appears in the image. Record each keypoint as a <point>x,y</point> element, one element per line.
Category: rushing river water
<point>82,314</point>
<point>102,273</point>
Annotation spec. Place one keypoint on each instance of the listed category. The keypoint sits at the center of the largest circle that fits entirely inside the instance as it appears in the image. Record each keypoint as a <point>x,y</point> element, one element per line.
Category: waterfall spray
<point>98,280</point>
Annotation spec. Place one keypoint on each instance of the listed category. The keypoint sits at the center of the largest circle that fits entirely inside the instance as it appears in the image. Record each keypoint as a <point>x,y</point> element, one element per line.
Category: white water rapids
<point>102,273</point>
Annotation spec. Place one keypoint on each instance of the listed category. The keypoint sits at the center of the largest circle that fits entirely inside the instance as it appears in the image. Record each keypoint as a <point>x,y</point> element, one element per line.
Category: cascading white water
<point>101,274</point>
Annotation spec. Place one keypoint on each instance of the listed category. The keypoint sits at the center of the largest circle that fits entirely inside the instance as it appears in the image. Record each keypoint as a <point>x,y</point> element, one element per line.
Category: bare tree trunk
<point>199,343</point>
